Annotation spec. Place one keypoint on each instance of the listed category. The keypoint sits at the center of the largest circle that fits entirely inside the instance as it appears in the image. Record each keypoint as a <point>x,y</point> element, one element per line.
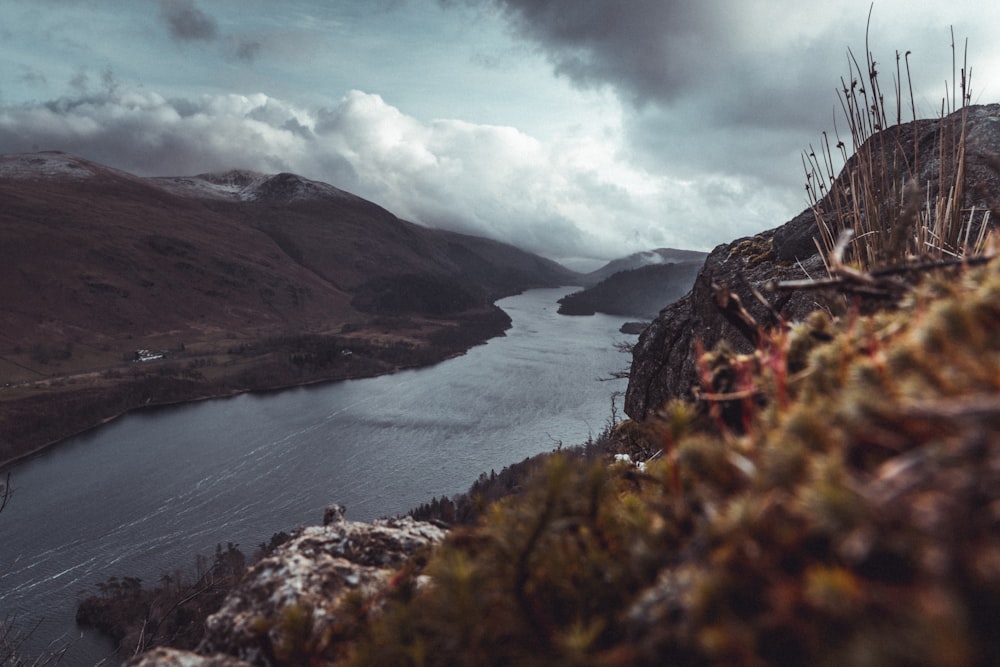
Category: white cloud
<point>573,197</point>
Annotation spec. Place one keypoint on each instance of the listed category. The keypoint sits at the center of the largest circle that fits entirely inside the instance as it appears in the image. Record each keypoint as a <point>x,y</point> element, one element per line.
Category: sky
<point>582,130</point>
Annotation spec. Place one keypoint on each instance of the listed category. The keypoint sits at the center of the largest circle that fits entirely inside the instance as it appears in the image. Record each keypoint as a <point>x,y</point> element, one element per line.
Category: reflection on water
<point>144,494</point>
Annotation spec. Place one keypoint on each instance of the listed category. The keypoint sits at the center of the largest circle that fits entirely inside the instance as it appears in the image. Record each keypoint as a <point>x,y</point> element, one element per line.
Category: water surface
<point>144,494</point>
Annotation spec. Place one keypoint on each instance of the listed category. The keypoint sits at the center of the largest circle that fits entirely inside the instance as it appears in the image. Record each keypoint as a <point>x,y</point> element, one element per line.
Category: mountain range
<point>118,290</point>
<point>90,254</point>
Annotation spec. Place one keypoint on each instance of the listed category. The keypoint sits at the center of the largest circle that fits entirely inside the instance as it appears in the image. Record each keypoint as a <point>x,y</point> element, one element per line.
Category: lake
<point>142,495</point>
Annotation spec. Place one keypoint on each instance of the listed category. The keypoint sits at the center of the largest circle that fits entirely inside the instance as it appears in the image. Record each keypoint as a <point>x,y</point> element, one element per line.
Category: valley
<point>119,292</point>
<point>89,388</point>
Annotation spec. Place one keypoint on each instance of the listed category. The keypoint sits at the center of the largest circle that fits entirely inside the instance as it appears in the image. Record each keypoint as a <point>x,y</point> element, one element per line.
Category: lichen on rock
<point>291,601</point>
<point>170,657</point>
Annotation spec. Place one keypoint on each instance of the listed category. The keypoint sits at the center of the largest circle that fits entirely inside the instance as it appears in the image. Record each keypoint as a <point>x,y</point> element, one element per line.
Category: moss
<point>754,250</point>
<point>850,520</point>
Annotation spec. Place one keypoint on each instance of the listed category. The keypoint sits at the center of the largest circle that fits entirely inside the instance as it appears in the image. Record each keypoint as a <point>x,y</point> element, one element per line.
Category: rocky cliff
<point>663,364</point>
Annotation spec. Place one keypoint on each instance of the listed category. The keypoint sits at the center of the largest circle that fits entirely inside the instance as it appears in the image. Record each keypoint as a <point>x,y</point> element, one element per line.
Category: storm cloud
<point>648,49</point>
<point>186,22</point>
<point>730,93</point>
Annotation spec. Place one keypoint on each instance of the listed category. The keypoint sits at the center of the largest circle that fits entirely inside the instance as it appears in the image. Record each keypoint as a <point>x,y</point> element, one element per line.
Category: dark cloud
<point>666,53</point>
<point>186,22</point>
<point>31,76</point>
<point>80,81</point>
<point>247,49</point>
<point>709,96</point>
<point>650,50</point>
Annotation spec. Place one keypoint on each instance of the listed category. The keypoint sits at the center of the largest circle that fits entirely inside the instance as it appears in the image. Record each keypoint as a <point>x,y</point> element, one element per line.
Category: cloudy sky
<point>579,129</point>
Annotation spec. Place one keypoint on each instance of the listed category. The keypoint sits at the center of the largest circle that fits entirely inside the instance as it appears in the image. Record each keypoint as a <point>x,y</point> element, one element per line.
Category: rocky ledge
<point>664,358</point>
<point>300,590</point>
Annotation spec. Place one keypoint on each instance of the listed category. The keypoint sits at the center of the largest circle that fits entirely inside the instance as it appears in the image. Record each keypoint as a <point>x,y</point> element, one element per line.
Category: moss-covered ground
<point>831,499</point>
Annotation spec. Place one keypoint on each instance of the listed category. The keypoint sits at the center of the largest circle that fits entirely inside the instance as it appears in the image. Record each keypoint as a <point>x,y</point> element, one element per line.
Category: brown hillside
<point>106,257</point>
<point>241,280</point>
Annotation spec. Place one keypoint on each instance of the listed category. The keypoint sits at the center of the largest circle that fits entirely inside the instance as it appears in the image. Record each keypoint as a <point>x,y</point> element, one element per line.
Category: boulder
<point>303,583</point>
<point>171,657</point>
<point>664,363</point>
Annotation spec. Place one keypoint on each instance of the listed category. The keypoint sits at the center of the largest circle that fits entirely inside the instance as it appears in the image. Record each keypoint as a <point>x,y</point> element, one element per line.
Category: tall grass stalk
<point>878,194</point>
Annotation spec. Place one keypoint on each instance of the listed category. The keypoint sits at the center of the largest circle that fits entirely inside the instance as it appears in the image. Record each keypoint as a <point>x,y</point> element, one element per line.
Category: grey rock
<point>312,573</point>
<point>664,364</point>
<point>664,359</point>
<point>169,657</point>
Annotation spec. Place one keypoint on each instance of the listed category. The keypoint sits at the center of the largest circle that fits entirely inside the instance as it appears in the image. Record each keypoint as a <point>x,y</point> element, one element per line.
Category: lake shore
<point>35,416</point>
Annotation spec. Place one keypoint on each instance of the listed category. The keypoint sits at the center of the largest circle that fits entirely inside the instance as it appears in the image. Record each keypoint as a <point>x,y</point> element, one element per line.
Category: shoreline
<point>469,330</point>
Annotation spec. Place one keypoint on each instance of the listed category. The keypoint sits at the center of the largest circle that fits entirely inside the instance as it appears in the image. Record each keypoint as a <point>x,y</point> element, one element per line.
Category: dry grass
<point>895,218</point>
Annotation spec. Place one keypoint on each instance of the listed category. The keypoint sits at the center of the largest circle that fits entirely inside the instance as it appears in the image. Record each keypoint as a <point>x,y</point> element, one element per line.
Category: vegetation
<point>13,639</point>
<point>467,509</point>
<point>416,293</point>
<point>172,613</point>
<point>828,500</point>
<point>879,196</point>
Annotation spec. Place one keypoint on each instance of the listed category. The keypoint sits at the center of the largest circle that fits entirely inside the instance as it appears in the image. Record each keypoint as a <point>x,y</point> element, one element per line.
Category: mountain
<point>640,292</point>
<point>641,259</point>
<point>228,282</point>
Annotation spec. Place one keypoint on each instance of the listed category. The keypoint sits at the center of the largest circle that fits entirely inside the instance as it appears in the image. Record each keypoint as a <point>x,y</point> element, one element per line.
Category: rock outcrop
<point>301,586</point>
<point>664,358</point>
<point>171,657</point>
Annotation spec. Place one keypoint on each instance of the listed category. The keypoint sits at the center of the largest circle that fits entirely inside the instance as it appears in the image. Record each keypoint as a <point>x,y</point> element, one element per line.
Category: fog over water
<point>144,494</point>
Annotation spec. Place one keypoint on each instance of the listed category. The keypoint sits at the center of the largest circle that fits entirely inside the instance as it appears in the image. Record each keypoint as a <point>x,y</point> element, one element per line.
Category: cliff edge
<point>663,362</point>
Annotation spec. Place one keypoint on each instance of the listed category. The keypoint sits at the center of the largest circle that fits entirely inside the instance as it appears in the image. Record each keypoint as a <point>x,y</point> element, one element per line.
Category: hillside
<point>641,259</point>
<point>640,292</point>
<point>118,291</point>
